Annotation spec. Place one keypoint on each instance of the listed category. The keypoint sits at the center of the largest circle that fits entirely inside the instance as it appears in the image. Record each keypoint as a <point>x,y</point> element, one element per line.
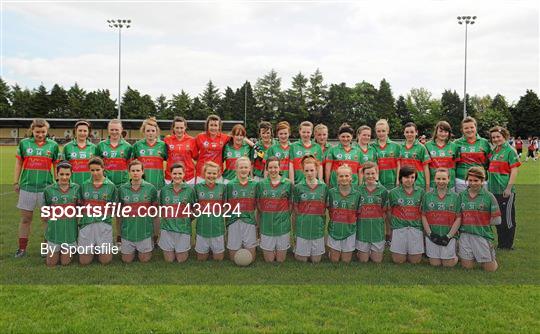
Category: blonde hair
<point>469,119</point>
<point>384,123</point>
<point>319,127</point>
<point>115,121</point>
<point>38,123</point>
<point>345,167</point>
<point>306,123</point>
<point>210,164</point>
<point>362,128</point>
<point>282,126</point>
<point>150,121</point>
<point>243,159</point>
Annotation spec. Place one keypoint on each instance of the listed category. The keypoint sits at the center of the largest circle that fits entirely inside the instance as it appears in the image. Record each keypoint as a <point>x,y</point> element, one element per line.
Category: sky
<point>181,45</point>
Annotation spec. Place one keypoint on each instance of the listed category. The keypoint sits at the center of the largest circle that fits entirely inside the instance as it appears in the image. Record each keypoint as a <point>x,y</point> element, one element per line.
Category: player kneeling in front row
<point>441,219</point>
<point>405,203</point>
<point>310,208</point>
<point>479,210</point>
<point>175,229</point>
<point>61,233</point>
<point>138,228</point>
<point>342,203</point>
<point>210,226</point>
<point>240,194</point>
<point>96,233</point>
<point>274,196</point>
<point>371,223</point>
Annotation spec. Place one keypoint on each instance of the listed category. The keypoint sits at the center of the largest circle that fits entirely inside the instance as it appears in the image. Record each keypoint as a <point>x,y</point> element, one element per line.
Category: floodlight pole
<point>467,20</point>
<point>120,23</point>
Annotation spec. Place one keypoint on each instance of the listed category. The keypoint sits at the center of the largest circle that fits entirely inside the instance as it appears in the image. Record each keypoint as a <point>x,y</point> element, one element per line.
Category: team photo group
<point>438,198</point>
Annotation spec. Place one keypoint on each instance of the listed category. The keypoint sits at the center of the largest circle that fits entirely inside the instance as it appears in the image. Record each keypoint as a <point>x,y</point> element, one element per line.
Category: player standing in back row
<point>152,152</point>
<point>304,146</point>
<point>79,151</point>
<point>387,155</point>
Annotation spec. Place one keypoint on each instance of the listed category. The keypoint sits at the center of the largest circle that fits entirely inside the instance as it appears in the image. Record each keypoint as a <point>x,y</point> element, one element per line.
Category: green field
<point>294,297</point>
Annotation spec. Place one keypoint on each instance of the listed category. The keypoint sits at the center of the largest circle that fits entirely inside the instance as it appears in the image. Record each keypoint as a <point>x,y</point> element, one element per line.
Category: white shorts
<point>29,201</point>
<point>95,234</point>
<point>407,240</point>
<point>143,246</point>
<point>435,251</point>
<point>173,241</point>
<point>277,243</point>
<point>474,247</point>
<point>206,245</point>
<point>309,247</point>
<point>368,247</point>
<point>346,245</point>
<point>240,234</point>
<point>55,248</point>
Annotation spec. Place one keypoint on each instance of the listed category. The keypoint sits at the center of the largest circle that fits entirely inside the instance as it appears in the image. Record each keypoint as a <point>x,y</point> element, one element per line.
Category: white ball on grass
<point>243,257</point>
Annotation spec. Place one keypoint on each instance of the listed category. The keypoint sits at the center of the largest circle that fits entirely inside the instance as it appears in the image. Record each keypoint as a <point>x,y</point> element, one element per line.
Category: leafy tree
<point>211,98</point>
<point>526,115</point>
<point>180,105</point>
<point>295,107</point>
<point>163,110</point>
<point>425,110</point>
<point>135,106</point>
<point>385,107</point>
<point>340,108</point>
<point>198,110</point>
<point>245,102</point>
<point>452,110</point>
<point>403,111</point>
<point>21,100</point>
<point>5,95</point>
<point>40,103</point>
<point>316,98</point>
<point>59,102</point>
<point>488,119</point>
<point>98,104</point>
<point>227,105</point>
<point>269,96</point>
<point>76,97</point>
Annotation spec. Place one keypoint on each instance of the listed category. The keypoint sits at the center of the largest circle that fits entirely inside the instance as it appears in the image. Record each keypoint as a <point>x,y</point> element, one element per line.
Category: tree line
<point>308,98</point>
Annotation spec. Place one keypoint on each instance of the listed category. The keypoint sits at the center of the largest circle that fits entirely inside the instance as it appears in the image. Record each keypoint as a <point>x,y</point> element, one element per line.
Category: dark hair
<point>409,124</point>
<point>443,125</point>
<point>212,118</point>
<point>345,128</point>
<point>82,122</point>
<point>264,125</point>
<point>178,119</point>
<point>63,164</point>
<point>177,165</point>
<point>271,159</point>
<point>406,171</point>
<point>96,161</point>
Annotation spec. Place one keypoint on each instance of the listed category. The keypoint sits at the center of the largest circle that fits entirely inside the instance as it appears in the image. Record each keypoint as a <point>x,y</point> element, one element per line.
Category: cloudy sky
<point>181,45</point>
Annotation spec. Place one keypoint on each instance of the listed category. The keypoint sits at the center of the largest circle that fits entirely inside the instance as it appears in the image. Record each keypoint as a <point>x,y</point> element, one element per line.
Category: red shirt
<point>210,149</point>
<point>181,150</point>
<point>519,144</point>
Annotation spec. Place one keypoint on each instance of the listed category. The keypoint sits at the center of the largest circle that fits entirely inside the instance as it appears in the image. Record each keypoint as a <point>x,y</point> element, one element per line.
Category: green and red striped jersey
<point>343,212</point>
<point>476,213</point>
<point>64,229</point>
<point>274,204</point>
<point>501,161</point>
<point>137,227</point>
<point>244,195</point>
<point>369,154</point>
<point>231,153</point>
<point>442,157</point>
<point>37,161</point>
<point>78,157</point>
<point>415,156</point>
<point>282,153</point>
<point>339,156</point>
<point>173,205</point>
<point>387,159</point>
<point>471,153</point>
<point>259,157</point>
<point>406,208</point>
<point>152,157</point>
<point>310,203</point>
<point>98,197</point>
<point>297,151</point>
<point>211,199</point>
<point>441,212</point>
<point>116,159</point>
<point>181,150</point>
<point>371,213</point>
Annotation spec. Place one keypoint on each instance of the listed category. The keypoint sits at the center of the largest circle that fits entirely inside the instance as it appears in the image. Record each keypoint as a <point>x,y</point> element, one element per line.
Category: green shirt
<point>274,207</point>
<point>441,213</point>
<point>415,156</point>
<point>370,224</point>
<point>339,156</point>
<point>501,161</point>
<point>297,151</point>
<point>152,157</point>
<point>476,213</point>
<point>342,213</point>
<point>282,153</point>
<point>137,227</point>
<point>174,204</point>
<point>387,159</point>
<point>98,197</point>
<point>78,157</point>
<point>243,196</point>
<point>37,160</point>
<point>230,155</point>
<point>64,229</point>
<point>116,159</point>
<point>442,157</point>
<point>471,153</point>
<point>310,209</point>
<point>405,208</point>
<point>210,223</point>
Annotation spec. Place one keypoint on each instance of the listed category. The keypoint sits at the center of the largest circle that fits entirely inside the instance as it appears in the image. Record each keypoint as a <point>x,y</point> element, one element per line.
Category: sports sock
<point>23,242</point>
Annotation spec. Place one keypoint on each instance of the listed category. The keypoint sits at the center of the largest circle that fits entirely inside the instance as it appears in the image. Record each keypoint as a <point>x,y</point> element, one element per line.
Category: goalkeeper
<point>441,220</point>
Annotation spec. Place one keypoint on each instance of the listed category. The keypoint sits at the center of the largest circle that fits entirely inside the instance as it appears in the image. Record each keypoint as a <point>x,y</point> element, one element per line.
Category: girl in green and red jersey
<point>116,153</point>
<point>152,152</point>
<point>479,210</point>
<point>175,227</point>
<point>367,152</point>
<point>473,151</point>
<point>372,218</point>
<point>280,149</point>
<point>342,203</point>
<point>443,153</point>
<point>274,195</point>
<point>240,194</point>
<point>415,155</point>
<point>234,149</point>
<point>441,219</point>
<point>210,224</point>
<point>320,134</point>
<point>260,149</point>
<point>181,149</point>
<point>61,232</point>
<point>503,170</point>
<point>387,155</point>
<point>35,157</point>
<point>79,151</point>
<point>309,197</point>
<point>342,154</point>
<point>305,146</point>
<point>405,205</point>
